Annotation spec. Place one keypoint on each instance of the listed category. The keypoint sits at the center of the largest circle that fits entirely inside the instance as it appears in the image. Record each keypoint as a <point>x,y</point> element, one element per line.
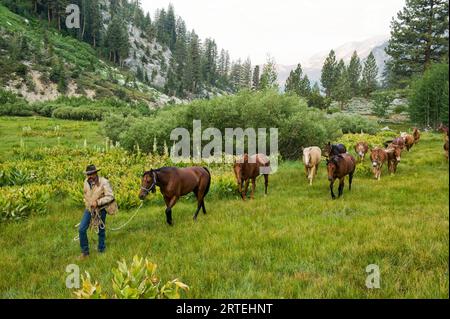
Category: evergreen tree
<point>316,99</point>
<point>269,75</point>
<point>193,75</point>
<point>298,83</point>
<point>117,40</point>
<point>209,64</point>
<point>329,74</point>
<point>180,57</point>
<point>255,84</point>
<point>342,90</point>
<point>429,100</point>
<point>170,28</point>
<point>354,73</point>
<point>369,81</point>
<point>235,76</point>
<point>246,76</point>
<point>419,36</point>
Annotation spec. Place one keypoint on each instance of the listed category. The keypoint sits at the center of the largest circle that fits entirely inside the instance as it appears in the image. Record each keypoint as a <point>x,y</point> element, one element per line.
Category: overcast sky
<point>288,30</point>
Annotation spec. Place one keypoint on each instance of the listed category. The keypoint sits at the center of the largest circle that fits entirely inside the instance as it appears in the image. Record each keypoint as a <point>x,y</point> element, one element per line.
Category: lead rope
<point>97,223</point>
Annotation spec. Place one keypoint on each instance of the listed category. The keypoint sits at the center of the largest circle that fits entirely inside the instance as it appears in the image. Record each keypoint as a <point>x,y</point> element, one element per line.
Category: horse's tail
<point>209,181</point>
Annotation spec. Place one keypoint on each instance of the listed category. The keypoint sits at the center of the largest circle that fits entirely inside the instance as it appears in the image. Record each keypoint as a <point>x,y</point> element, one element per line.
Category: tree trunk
<point>49,15</point>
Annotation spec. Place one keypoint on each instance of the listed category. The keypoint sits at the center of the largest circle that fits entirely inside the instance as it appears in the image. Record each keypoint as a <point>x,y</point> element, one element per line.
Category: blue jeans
<point>84,225</point>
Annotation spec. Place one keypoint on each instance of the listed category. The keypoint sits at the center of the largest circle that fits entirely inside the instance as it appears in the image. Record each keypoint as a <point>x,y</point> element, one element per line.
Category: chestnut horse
<point>398,142</point>
<point>416,134</point>
<point>249,168</point>
<point>340,166</point>
<point>331,150</point>
<point>378,156</point>
<point>361,149</point>
<point>409,140</point>
<point>394,153</point>
<point>175,182</point>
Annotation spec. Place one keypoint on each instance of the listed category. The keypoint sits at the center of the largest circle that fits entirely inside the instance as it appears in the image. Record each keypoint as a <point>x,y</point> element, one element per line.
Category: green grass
<point>294,243</point>
<point>42,133</point>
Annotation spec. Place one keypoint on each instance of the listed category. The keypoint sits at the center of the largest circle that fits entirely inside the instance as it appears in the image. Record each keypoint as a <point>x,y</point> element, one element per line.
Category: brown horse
<point>409,140</point>
<point>397,142</point>
<point>416,134</point>
<point>378,156</point>
<point>249,168</point>
<point>175,182</point>
<point>443,128</point>
<point>446,149</point>
<point>394,153</point>
<point>361,149</point>
<point>340,166</point>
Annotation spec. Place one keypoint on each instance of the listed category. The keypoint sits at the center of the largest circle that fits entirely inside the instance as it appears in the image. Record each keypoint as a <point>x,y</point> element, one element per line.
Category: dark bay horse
<point>331,150</point>
<point>338,167</point>
<point>249,168</point>
<point>175,182</point>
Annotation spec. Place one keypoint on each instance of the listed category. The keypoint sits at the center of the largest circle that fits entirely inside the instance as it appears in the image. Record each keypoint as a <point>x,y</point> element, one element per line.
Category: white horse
<point>311,159</point>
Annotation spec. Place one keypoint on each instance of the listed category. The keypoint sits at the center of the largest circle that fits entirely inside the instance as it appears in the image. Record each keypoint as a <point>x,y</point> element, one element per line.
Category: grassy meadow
<point>294,243</point>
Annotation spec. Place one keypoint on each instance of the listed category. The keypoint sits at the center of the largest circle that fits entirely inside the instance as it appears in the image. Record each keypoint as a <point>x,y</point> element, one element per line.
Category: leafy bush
<point>138,281</point>
<point>19,108</point>
<point>7,97</point>
<point>354,123</point>
<point>20,202</point>
<point>79,113</point>
<point>298,125</point>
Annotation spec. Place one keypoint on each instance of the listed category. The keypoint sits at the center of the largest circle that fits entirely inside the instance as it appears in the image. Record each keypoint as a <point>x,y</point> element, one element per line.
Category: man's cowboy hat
<point>91,169</point>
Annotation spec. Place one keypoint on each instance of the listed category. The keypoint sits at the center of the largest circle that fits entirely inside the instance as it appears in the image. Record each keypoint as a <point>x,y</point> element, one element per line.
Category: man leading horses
<point>99,201</point>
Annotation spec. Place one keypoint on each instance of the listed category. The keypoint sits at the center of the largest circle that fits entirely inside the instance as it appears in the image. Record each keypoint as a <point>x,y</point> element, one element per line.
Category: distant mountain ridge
<point>313,66</point>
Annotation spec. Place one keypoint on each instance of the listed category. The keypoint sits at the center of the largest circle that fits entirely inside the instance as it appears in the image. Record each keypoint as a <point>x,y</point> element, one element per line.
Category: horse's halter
<point>152,187</point>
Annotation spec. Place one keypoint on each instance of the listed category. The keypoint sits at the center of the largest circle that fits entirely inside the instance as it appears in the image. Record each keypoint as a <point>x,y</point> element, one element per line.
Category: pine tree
<point>269,75</point>
<point>255,84</point>
<point>316,99</point>
<point>246,76</point>
<point>298,83</point>
<point>180,56</point>
<point>419,36</point>
<point>429,100</point>
<point>170,28</point>
<point>193,76</point>
<point>369,81</point>
<point>354,73</point>
<point>209,62</point>
<point>235,76</point>
<point>342,91</point>
<point>329,74</point>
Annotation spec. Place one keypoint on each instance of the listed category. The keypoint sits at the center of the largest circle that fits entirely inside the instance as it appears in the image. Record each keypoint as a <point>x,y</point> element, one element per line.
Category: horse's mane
<point>161,169</point>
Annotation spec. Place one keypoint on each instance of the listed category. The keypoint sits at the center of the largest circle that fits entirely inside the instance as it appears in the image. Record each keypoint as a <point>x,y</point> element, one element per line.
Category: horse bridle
<point>148,190</point>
